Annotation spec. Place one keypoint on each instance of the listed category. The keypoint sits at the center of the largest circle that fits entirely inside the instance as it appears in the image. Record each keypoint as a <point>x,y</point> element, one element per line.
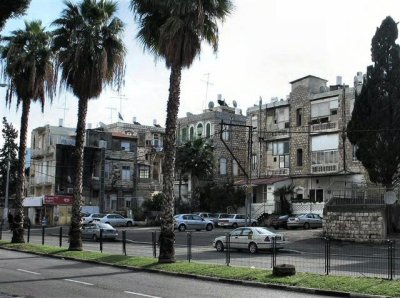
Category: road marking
<point>139,294</point>
<point>79,282</point>
<point>31,272</point>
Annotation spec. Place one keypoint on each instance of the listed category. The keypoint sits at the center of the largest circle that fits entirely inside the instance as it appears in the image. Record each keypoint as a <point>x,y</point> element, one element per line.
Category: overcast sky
<point>263,46</point>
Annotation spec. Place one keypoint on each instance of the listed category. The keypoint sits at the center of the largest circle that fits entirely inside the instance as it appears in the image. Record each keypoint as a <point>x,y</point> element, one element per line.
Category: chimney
<point>133,119</point>
<point>338,80</point>
<point>154,121</point>
<point>219,97</point>
<point>60,122</point>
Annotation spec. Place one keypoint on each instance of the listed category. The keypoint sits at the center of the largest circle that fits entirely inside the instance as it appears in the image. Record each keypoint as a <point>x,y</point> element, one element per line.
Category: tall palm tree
<point>91,54</point>
<point>28,62</point>
<point>12,8</point>
<point>174,30</point>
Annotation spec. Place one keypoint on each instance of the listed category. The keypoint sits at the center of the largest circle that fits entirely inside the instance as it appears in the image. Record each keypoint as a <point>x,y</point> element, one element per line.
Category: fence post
<point>273,256</point>
<point>101,240</point>
<point>60,236</point>
<point>189,245</point>
<point>29,232</point>
<point>390,259</point>
<point>124,242</point>
<point>154,243</point>
<point>43,228</point>
<point>1,229</point>
<point>228,248</point>
<point>327,255</point>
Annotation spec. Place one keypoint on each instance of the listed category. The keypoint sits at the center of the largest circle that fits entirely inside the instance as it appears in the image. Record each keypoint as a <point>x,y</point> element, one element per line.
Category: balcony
<point>324,168</point>
<point>324,127</point>
<point>278,172</point>
<point>278,130</point>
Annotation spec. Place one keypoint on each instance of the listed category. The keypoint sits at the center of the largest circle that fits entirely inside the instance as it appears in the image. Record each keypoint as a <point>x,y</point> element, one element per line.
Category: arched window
<point>222,166</point>
<point>199,130</point>
<point>184,134</point>
<point>208,130</point>
<point>191,133</point>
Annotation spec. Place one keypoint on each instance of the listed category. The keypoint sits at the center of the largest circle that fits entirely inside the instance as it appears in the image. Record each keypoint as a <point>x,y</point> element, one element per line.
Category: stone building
<point>302,140</point>
<point>208,125</point>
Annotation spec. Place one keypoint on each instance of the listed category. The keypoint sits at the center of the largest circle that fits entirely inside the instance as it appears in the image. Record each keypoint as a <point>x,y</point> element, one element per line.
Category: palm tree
<point>197,159</point>
<point>28,62</point>
<point>12,8</point>
<point>91,54</point>
<point>174,30</point>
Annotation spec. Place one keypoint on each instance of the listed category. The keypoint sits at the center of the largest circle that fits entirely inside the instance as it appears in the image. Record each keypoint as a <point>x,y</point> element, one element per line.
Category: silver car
<point>117,220</point>
<point>183,222</point>
<point>305,221</point>
<point>92,231</point>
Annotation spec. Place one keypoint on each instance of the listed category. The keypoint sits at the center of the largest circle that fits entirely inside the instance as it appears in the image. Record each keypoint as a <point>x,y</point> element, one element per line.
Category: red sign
<point>58,200</point>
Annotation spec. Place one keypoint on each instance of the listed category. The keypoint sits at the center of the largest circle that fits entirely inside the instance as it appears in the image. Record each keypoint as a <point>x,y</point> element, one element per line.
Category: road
<point>35,276</point>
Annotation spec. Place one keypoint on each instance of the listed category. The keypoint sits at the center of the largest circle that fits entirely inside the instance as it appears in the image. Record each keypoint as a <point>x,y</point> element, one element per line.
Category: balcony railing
<point>278,172</point>
<point>324,168</point>
<point>327,126</point>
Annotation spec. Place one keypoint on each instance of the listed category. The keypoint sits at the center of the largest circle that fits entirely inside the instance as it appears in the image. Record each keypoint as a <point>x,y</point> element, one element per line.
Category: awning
<point>33,202</point>
<point>261,181</point>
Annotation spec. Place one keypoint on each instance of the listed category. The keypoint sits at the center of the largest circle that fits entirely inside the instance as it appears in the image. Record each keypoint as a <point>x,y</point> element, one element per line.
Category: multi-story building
<point>302,140</point>
<point>224,127</point>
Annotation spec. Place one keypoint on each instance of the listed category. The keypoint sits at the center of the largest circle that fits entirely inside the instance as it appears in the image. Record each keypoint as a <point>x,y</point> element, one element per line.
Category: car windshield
<point>104,226</point>
<point>263,231</point>
<point>231,216</point>
<point>176,216</point>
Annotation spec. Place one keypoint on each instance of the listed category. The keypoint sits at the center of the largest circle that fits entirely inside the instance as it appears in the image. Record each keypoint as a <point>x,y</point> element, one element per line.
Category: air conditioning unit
<point>70,190</point>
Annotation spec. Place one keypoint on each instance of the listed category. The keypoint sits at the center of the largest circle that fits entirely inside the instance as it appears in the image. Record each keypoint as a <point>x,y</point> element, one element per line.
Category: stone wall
<point>355,225</point>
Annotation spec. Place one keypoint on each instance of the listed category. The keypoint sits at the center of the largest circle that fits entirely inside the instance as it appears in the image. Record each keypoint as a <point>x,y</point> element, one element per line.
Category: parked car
<point>280,222</point>
<point>236,220</point>
<point>305,221</point>
<point>205,215</point>
<point>183,222</point>
<point>90,217</point>
<point>117,220</point>
<point>215,217</point>
<point>92,231</point>
<point>251,239</point>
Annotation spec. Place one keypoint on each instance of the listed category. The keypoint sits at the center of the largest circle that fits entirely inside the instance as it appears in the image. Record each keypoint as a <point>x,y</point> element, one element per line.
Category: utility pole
<point>5,212</point>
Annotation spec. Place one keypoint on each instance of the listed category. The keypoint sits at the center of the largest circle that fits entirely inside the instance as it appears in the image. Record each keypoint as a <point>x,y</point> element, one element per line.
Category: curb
<point>216,279</point>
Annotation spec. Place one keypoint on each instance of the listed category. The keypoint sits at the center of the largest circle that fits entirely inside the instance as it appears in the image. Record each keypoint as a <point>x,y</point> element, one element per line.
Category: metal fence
<point>379,260</point>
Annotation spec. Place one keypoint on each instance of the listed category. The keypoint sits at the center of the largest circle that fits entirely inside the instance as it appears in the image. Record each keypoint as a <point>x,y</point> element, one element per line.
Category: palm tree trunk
<point>18,222</point>
<point>167,235</point>
<point>75,232</point>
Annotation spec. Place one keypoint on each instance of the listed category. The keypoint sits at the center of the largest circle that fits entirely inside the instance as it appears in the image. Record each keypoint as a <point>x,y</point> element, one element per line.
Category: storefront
<point>58,209</point>
<point>33,209</point>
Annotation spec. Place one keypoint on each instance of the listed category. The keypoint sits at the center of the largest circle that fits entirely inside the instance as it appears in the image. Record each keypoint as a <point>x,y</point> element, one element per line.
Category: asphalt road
<point>28,275</point>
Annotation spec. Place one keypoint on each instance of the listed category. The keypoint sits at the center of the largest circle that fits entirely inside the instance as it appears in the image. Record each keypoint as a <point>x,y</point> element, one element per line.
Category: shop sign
<point>58,200</point>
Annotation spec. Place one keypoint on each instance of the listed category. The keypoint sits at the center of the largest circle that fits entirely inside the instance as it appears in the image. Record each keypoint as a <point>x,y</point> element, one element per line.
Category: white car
<point>236,220</point>
<point>251,239</point>
<point>89,218</point>
<point>117,220</point>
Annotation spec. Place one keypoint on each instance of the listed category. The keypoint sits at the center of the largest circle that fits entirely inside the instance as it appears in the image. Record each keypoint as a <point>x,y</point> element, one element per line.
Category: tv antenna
<point>120,97</point>
<point>208,83</point>
<point>111,112</point>
<point>64,108</point>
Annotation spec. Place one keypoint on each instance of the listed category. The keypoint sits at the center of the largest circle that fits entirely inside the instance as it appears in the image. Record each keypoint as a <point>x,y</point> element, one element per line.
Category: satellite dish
<point>234,103</point>
<point>390,197</point>
<point>210,105</point>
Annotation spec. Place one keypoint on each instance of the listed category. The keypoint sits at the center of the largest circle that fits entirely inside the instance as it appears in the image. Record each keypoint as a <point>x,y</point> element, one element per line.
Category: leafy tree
<point>27,57</point>
<point>217,198</point>
<point>375,123</point>
<point>174,30</point>
<point>197,159</point>
<point>11,9</point>
<point>91,54</point>
<point>153,204</point>
<point>282,193</point>
<point>8,154</point>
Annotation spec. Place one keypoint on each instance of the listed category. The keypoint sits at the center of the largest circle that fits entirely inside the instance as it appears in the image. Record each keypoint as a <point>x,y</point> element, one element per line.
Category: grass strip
<point>361,285</point>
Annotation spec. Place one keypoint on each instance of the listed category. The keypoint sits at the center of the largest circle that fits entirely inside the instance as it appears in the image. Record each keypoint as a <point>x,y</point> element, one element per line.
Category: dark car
<point>280,222</point>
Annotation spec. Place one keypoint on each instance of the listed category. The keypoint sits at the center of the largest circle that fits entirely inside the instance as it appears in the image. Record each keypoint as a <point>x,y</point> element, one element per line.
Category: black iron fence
<point>320,255</point>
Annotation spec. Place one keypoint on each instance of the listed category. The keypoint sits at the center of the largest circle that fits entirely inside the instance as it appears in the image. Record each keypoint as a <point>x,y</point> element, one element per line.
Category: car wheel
<point>182,228</point>
<point>235,225</point>
<point>129,224</point>
<point>253,224</point>
<point>253,248</point>
<point>306,226</point>
<point>209,227</point>
<point>219,246</point>
<point>95,238</point>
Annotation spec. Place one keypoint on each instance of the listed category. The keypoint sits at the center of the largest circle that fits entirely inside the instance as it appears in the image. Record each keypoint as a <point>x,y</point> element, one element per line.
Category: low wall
<point>355,224</point>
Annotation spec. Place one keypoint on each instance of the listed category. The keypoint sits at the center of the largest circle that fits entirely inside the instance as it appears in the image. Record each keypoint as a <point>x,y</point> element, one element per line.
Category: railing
<point>324,126</point>
<point>278,172</point>
<point>257,209</point>
<point>324,168</point>
<point>300,208</point>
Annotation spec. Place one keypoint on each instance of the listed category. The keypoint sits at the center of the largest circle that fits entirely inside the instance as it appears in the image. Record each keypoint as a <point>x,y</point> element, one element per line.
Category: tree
<point>8,154</point>
<point>197,159</point>
<point>174,30</point>
<point>375,123</point>
<point>282,193</point>
<point>28,61</point>
<point>90,54</point>
<point>11,9</point>
<point>217,198</point>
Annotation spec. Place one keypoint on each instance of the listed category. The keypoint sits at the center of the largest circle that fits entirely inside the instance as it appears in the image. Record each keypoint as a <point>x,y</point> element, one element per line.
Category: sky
<point>263,46</point>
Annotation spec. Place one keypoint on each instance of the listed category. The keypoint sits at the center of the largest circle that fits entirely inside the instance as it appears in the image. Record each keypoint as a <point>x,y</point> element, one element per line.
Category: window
<point>184,134</point>
<point>144,172</point>
<point>208,130</point>
<point>299,113</point>
<point>282,118</point>
<point>254,121</point>
<point>156,140</point>
<point>299,157</point>
<point>354,153</point>
<point>324,157</point>
<point>191,133</point>
<point>254,161</point>
<point>225,133</point>
<point>222,166</point>
<point>317,195</point>
<point>128,202</point>
<point>235,168</point>
<point>199,130</point>
<point>322,109</point>
<point>126,173</point>
<point>102,144</point>
<point>280,148</point>
<point>125,146</point>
